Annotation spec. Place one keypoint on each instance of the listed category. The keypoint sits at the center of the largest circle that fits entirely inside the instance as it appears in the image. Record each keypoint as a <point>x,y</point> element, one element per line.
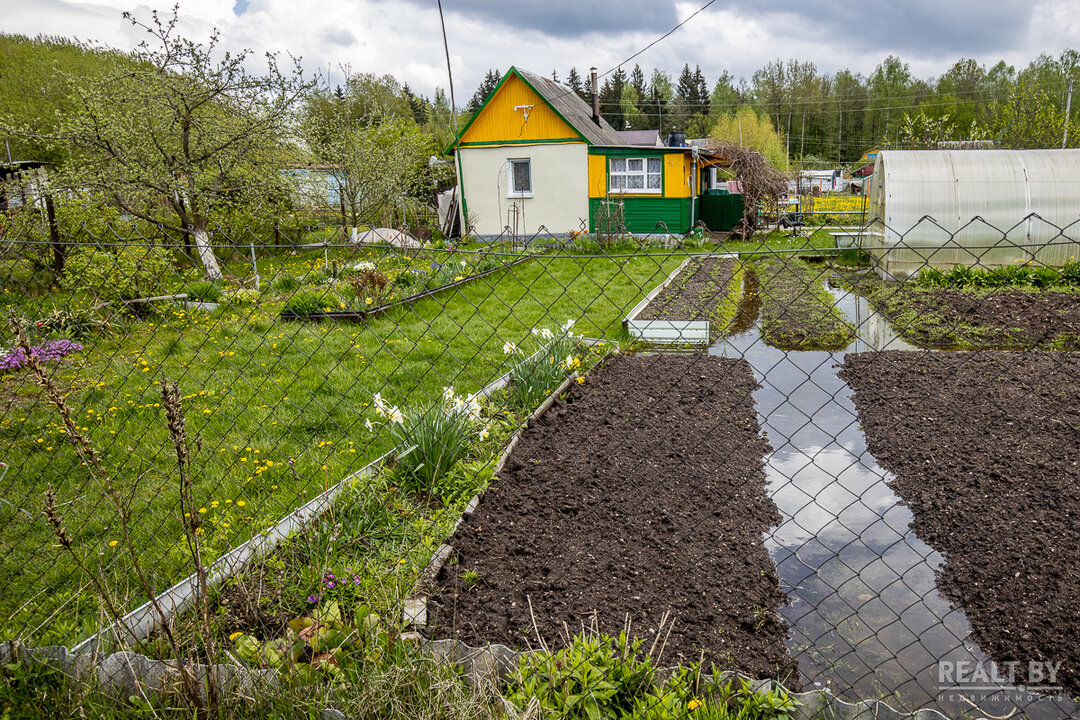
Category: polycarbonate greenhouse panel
<point>973,207</point>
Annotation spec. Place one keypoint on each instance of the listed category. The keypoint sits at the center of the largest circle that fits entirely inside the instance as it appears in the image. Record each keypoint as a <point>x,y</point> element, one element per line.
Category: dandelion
<point>235,635</point>
<point>581,380</point>
<point>693,705</point>
<point>368,300</point>
<point>114,543</point>
<point>240,503</point>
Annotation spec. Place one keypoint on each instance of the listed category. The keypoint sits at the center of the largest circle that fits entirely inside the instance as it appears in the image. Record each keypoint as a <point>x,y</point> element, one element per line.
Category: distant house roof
<point>646,138</point>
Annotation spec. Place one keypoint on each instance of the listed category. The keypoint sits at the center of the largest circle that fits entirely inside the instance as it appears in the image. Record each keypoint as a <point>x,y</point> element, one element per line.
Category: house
<point>535,158</point>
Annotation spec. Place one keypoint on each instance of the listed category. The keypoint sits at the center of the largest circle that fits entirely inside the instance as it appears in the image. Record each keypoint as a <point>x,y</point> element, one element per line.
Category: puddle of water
<point>866,617</point>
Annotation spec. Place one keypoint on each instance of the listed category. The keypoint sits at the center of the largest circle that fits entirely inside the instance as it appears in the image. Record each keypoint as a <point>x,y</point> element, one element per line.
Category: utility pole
<point>1068,110</point>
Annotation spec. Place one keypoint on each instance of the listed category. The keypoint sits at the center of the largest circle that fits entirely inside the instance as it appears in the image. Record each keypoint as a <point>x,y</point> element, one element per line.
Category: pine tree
<point>637,81</point>
<point>573,81</point>
<point>490,82</point>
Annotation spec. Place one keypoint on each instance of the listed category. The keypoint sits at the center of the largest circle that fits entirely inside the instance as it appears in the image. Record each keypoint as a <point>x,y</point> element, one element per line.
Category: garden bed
<point>707,289</point>
<point>1003,318</point>
<point>986,453</point>
<point>640,494</point>
<point>797,312</point>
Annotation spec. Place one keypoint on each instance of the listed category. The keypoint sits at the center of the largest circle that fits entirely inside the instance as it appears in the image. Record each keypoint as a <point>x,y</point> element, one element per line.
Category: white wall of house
<point>559,200</point>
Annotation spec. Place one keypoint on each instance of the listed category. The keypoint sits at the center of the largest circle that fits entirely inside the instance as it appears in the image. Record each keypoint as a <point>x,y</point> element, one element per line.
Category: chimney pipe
<point>595,97</point>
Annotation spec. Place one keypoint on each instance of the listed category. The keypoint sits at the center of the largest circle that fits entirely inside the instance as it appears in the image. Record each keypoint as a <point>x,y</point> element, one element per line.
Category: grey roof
<point>574,110</point>
<point>644,138</point>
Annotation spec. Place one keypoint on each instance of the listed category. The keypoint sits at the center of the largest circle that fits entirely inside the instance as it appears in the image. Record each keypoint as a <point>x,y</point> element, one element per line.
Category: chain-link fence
<point>849,469</point>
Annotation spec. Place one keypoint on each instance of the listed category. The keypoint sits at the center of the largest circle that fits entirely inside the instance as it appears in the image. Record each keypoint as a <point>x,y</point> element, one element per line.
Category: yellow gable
<point>502,119</point>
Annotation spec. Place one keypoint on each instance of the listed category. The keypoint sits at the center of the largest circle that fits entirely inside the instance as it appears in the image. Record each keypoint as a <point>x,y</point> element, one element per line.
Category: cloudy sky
<point>403,37</point>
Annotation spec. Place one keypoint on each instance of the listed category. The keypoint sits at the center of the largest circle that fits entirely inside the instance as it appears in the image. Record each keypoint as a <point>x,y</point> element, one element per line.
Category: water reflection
<point>866,616</point>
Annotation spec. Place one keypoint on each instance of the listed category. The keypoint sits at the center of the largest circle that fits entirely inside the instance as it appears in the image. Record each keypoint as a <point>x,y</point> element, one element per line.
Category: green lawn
<point>275,412</point>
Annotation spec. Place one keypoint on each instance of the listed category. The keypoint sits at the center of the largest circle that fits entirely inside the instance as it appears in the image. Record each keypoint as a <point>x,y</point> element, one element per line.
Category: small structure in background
<point>986,208</point>
<point>536,157</point>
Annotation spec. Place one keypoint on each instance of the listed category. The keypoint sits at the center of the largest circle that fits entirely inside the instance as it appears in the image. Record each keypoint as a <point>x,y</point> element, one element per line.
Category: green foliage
<point>535,377</point>
<point>242,297</point>
<point>70,323</point>
<point>318,646</point>
<point>596,677</point>
<point>124,274</point>
<point>285,283</point>
<point>204,291</point>
<point>604,678</point>
<point>431,440</point>
<point>964,276</point>
<point>306,303</point>
<point>750,129</point>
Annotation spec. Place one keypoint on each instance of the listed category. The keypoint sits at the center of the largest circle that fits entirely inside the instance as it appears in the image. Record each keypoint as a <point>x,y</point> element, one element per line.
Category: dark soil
<point>986,452</point>
<point>797,312</point>
<point>704,290</point>
<point>1004,318</point>
<point>641,493</point>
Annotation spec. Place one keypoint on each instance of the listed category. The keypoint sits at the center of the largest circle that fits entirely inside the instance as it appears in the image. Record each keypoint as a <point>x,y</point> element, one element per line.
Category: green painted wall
<point>641,214</point>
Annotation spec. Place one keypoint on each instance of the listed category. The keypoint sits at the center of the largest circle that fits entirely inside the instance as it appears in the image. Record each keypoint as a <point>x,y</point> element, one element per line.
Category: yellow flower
<point>235,635</point>
<point>581,380</point>
<point>240,503</point>
<point>202,511</point>
<point>693,705</point>
<point>114,543</point>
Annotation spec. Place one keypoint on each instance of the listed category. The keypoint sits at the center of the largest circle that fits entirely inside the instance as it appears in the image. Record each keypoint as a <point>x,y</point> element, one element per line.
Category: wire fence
<point>849,469</point>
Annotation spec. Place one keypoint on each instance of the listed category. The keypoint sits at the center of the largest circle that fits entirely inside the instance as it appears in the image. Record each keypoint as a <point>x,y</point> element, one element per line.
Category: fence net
<point>848,469</point>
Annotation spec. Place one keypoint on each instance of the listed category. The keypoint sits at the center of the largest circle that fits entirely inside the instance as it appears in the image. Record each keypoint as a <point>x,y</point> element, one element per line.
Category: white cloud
<point>405,39</point>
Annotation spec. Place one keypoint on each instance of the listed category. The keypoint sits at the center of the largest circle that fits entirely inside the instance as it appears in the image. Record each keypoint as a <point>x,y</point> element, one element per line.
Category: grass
<point>797,312</point>
<point>276,410</point>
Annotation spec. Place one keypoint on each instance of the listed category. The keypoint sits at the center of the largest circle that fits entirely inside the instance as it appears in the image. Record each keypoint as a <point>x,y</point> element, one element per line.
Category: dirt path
<point>707,289</point>
<point>642,493</point>
<point>986,452</point>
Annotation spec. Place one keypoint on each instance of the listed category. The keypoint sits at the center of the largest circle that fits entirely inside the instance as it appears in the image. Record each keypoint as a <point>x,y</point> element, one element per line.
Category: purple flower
<point>50,351</point>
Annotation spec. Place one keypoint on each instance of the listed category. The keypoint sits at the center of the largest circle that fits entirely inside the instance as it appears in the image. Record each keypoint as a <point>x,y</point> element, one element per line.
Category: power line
<point>662,37</point>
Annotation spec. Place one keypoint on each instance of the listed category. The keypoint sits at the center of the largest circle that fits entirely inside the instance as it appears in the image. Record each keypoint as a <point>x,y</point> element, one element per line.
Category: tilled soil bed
<point>641,493</point>
<point>797,312</point>
<point>707,289</point>
<point>986,452</point>
<point>1002,318</point>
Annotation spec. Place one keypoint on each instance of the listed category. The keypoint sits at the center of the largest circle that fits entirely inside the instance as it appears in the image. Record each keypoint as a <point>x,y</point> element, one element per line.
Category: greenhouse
<point>983,208</point>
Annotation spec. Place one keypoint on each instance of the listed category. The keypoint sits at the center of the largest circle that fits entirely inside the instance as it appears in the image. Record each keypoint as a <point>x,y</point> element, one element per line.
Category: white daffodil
<point>396,416</point>
<point>568,325</point>
<point>509,348</point>
<point>369,426</point>
<point>448,393</point>
<point>547,334</point>
<point>484,433</point>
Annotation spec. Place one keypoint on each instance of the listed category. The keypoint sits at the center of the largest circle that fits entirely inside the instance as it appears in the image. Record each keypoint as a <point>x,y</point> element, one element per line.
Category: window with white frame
<point>635,175</point>
<point>519,178</point>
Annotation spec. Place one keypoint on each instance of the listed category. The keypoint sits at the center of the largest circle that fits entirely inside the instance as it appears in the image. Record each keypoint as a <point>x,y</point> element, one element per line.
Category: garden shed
<point>983,208</point>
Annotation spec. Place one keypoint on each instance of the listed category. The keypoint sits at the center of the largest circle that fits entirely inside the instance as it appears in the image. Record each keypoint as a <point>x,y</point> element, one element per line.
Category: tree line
<point>829,118</point>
